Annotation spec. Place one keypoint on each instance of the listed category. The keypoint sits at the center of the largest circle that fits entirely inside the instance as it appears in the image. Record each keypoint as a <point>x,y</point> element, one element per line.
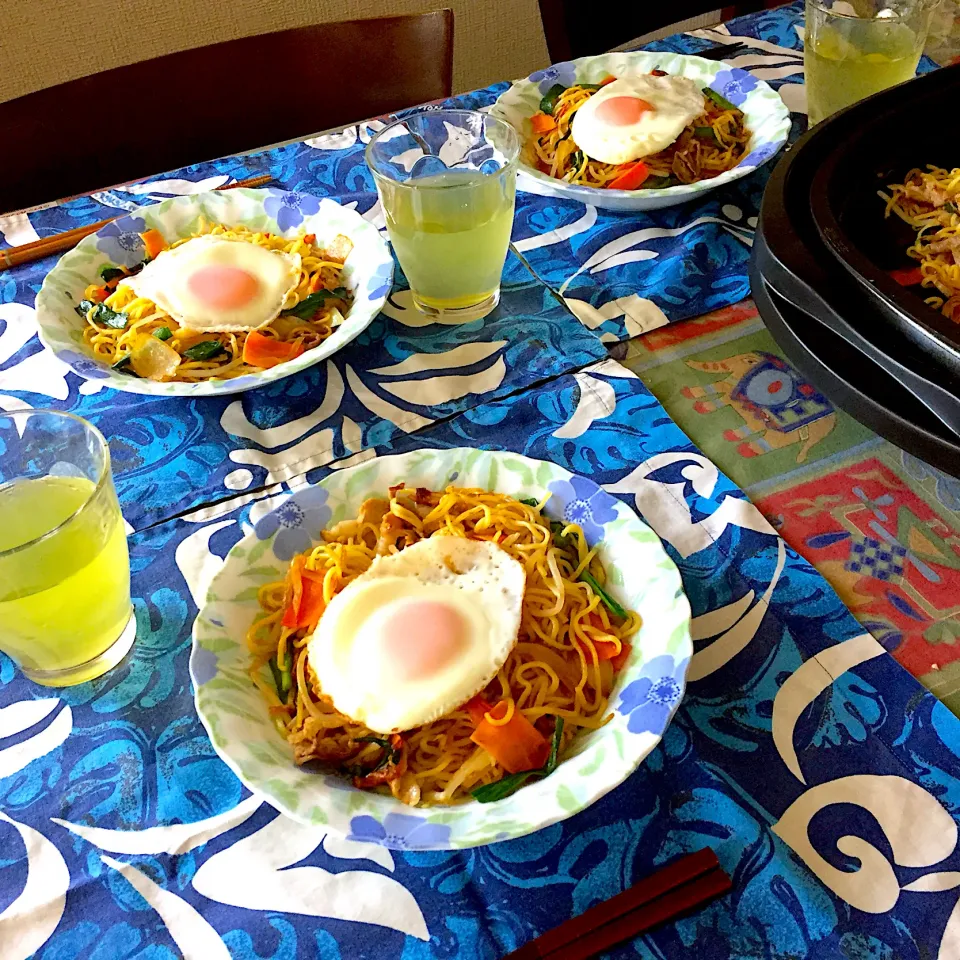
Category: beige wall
<point>43,42</point>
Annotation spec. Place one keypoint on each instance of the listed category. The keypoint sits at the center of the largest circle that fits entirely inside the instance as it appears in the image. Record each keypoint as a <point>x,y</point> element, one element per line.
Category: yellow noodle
<point>687,159</point>
<point>554,669</point>
<point>110,345</point>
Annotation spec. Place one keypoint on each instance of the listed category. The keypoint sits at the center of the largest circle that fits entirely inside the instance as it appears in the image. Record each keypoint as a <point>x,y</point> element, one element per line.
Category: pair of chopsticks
<point>28,252</point>
<point>679,888</point>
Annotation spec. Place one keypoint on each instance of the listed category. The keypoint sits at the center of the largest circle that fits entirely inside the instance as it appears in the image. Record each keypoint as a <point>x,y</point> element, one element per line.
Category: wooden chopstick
<point>38,249</point>
<point>679,888</point>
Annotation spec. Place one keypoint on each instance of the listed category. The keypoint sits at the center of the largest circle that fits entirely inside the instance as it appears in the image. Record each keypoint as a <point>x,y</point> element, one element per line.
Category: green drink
<point>65,614</point>
<point>451,236</point>
<point>447,184</point>
<point>852,51</point>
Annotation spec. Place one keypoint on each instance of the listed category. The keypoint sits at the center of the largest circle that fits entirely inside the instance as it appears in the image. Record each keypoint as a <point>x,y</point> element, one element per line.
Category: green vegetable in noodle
<point>529,501</point>
<point>605,598</point>
<point>102,314</point>
<point>491,792</point>
<point>122,364</point>
<point>163,333</point>
<point>277,678</point>
<point>560,540</point>
<point>205,350</point>
<point>108,273</point>
<point>657,183</point>
<point>286,680</point>
<point>549,101</point>
<point>309,305</point>
<point>722,102</point>
<point>705,133</point>
<point>950,207</point>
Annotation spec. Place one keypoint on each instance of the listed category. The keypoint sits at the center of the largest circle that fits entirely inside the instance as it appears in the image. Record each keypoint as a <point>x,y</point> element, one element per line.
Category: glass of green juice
<point>856,48</point>
<point>447,180</point>
<point>65,612</point>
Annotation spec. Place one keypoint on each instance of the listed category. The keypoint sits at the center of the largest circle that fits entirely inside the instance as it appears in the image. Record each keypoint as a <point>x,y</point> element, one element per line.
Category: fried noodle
<point>553,671</point>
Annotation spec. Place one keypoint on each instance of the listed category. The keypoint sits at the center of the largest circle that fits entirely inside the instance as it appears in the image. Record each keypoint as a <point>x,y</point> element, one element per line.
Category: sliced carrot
<point>100,294</point>
<point>631,178</point>
<point>607,80</point>
<point>306,602</point>
<point>263,351</point>
<point>516,745</point>
<point>310,238</point>
<point>908,276</point>
<point>542,123</point>
<point>478,708</point>
<point>620,659</point>
<point>153,242</point>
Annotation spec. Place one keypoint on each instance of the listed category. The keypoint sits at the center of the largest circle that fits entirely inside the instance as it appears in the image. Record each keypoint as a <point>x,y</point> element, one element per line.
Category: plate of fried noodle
<point>743,123</point>
<point>329,273</point>
<point>593,671</point>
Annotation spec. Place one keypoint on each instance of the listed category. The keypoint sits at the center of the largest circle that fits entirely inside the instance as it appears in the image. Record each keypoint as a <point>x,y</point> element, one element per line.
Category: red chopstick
<point>679,888</point>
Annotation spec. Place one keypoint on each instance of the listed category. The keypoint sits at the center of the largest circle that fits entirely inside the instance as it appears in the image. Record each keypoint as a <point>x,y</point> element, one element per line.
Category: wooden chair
<point>146,118</point>
<point>572,31</point>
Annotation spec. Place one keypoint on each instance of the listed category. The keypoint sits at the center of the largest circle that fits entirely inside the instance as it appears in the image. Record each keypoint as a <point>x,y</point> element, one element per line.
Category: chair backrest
<point>195,105</point>
<point>572,31</point>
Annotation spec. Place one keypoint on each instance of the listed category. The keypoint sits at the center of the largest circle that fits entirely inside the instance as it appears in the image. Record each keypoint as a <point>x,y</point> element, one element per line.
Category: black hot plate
<point>881,140</point>
<point>833,329</point>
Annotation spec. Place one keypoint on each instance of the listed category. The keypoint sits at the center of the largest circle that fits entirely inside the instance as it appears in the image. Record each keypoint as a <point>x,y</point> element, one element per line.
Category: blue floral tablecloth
<point>823,775</point>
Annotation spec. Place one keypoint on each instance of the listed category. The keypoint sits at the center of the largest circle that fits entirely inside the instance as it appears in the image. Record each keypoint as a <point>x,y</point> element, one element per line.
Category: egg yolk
<point>223,287</point>
<point>622,111</point>
<point>422,637</point>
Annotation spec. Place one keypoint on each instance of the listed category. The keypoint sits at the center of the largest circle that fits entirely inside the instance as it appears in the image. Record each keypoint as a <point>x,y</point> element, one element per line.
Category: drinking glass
<point>65,612</point>
<point>855,49</point>
<point>447,181</point>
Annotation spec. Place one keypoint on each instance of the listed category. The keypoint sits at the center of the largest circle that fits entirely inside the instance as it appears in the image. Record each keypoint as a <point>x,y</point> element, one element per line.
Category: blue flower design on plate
<point>380,283</point>
<point>84,365</point>
<point>763,153</point>
<point>204,663</point>
<point>563,73</point>
<point>121,241</point>
<point>290,209</point>
<point>582,501</point>
<point>293,521</point>
<point>651,699</point>
<point>399,831</point>
<point>735,85</point>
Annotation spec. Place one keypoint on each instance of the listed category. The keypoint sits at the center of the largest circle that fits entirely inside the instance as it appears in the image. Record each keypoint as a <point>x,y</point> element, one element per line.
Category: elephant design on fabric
<point>779,409</point>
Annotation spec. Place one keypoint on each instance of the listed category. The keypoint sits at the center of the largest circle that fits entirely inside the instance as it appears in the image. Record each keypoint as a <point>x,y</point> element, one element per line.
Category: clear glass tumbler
<point>65,612</point>
<point>447,181</point>
<point>856,48</point>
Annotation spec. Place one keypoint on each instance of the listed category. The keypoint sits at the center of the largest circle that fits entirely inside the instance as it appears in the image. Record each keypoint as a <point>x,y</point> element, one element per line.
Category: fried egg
<point>635,117</point>
<point>213,284</point>
<point>419,633</point>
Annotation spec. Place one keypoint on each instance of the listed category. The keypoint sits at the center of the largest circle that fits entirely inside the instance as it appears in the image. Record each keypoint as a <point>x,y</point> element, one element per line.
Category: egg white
<point>479,580</point>
<point>165,282</point>
<point>676,101</point>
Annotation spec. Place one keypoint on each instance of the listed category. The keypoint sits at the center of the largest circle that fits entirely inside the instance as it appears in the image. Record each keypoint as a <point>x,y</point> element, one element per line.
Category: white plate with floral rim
<point>648,691</point>
<point>767,119</point>
<point>367,274</point>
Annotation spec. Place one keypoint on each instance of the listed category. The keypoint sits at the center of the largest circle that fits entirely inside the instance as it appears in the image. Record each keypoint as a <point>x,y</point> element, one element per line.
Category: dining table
<point>815,750</point>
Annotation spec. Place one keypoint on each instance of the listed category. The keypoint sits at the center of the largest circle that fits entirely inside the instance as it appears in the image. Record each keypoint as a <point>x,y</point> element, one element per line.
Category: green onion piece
<point>605,598</point>
<point>308,306</point>
<point>705,133</point>
<point>563,542</point>
<point>286,680</point>
<point>657,183</point>
<point>549,100</point>
<point>277,679</point>
<point>950,207</point>
<point>722,102</point>
<point>109,318</point>
<point>589,86</point>
<point>163,333</point>
<point>122,363</point>
<point>108,273</point>
<point>490,792</point>
<point>84,307</point>
<point>529,501</point>
<point>204,350</point>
